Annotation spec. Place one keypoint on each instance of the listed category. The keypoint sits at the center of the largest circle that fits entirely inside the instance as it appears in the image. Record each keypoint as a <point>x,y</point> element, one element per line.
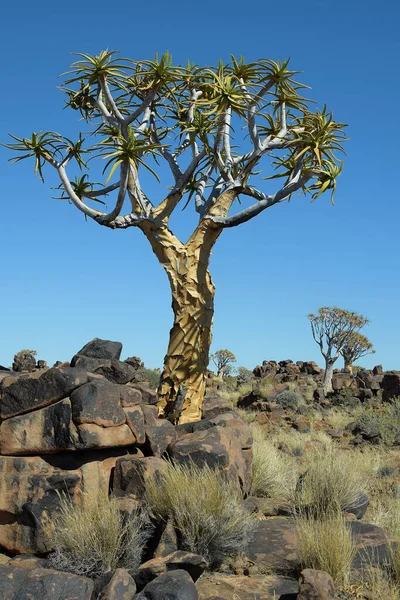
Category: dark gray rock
<point>17,583</point>
<point>98,348</point>
<point>98,402</point>
<point>26,393</point>
<point>160,433</point>
<point>121,587</point>
<point>175,585</point>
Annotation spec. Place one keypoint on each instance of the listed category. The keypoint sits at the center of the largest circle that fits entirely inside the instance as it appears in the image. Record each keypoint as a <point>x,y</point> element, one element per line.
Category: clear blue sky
<point>64,281</point>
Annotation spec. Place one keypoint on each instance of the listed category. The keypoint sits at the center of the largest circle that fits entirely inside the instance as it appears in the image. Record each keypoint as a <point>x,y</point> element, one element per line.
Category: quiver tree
<point>332,327</point>
<point>356,346</point>
<point>223,360</point>
<point>144,112</point>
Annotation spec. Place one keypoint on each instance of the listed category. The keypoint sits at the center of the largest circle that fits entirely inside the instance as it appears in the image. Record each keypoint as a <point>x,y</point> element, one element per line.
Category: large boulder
<point>255,587</point>
<point>42,431</point>
<point>120,587</point>
<point>217,447</point>
<point>135,421</point>
<point>274,546</point>
<point>131,475</point>
<point>194,564</point>
<point>26,393</point>
<point>112,369</point>
<point>98,402</point>
<point>29,488</point>
<point>160,433</point>
<point>98,348</point>
<point>316,585</point>
<point>93,436</point>
<point>174,585</point>
<point>17,583</point>
<point>391,386</point>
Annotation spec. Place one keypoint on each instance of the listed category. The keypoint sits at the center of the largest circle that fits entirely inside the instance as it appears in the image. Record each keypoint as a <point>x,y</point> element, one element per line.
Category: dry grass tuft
<point>207,510</point>
<point>274,473</point>
<point>327,545</point>
<point>93,537</point>
<point>332,481</point>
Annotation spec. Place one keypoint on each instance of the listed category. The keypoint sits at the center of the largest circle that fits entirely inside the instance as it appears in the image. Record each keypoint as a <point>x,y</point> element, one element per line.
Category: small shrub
<point>385,424</point>
<point>326,545</point>
<point>289,400</point>
<point>150,375</point>
<point>247,415</point>
<point>274,474</point>
<point>93,537</point>
<point>377,584</point>
<point>294,443</point>
<point>265,386</point>
<point>207,510</point>
<point>337,419</point>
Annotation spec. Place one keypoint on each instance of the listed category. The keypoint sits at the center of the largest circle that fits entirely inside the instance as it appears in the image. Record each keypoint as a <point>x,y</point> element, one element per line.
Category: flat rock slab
<point>42,431</point>
<point>98,402</point>
<point>29,487</point>
<point>258,587</point>
<point>17,583</point>
<point>274,546</point>
<point>373,547</point>
<point>25,393</point>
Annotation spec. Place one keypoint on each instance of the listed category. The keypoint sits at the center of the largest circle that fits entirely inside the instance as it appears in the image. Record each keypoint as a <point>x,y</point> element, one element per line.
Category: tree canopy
<point>145,111</point>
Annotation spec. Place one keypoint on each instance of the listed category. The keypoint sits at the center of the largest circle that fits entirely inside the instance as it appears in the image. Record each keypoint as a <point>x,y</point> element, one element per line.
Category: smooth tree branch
<point>109,98</point>
<point>263,203</point>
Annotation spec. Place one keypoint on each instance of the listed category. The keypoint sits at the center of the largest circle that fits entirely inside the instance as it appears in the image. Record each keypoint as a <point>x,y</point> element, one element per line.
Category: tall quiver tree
<point>332,327</point>
<point>146,111</point>
<point>356,346</point>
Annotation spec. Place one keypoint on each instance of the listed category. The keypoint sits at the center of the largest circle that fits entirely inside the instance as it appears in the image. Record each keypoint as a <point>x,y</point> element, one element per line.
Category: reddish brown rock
<point>29,488</point>
<point>94,436</point>
<point>97,402</point>
<point>42,431</point>
<point>235,423</point>
<point>26,393</point>
<point>194,564</point>
<point>131,475</point>
<point>160,433</point>
<point>259,587</point>
<point>43,584</point>
<point>316,585</point>
<point>130,396</point>
<point>218,447</point>
<point>274,546</point>
<point>120,587</point>
<point>391,386</point>
<point>135,421</point>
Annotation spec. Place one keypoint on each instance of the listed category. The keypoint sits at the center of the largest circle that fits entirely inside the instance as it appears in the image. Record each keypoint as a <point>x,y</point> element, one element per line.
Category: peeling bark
<point>182,384</point>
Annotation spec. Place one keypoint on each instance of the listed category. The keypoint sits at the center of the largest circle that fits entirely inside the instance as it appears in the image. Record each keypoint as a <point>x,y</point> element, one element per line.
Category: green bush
<point>150,375</point>
<point>289,400</point>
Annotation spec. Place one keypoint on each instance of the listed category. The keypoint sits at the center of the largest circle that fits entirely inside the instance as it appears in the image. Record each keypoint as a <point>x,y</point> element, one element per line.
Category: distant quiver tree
<point>332,327</point>
<point>139,113</point>
<point>355,347</point>
<point>223,360</point>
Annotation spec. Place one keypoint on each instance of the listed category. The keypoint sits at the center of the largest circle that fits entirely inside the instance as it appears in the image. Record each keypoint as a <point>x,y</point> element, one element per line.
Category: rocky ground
<point>91,426</point>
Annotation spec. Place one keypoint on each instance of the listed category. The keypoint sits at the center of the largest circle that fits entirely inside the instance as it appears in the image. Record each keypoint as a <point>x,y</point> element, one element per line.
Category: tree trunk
<point>348,366</point>
<point>327,381</point>
<point>182,384</point>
